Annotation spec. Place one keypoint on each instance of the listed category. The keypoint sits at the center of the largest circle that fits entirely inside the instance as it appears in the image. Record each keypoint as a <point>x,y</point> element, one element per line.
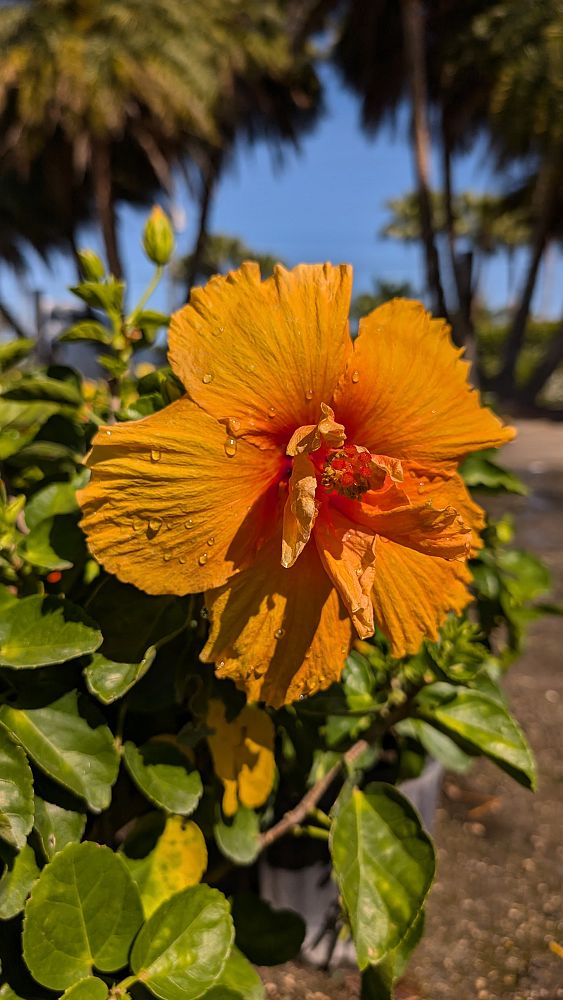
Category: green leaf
<point>266,936</point>
<point>161,771</point>
<point>142,621</point>
<point>238,981</point>
<point>38,386</point>
<point>182,949</point>
<point>56,827</point>
<point>483,474</point>
<point>108,680</point>
<point>239,839</point>
<point>481,723</point>
<point>57,498</point>
<point>68,741</point>
<point>384,865</point>
<point>38,631</point>
<point>17,879</point>
<point>164,856</point>
<point>84,912</point>
<point>90,988</point>
<point>106,295</point>
<point>88,329</point>
<point>150,321</point>
<point>16,793</point>
<point>38,551</point>
<point>20,422</point>
<point>436,743</point>
<point>14,350</point>
<point>377,980</point>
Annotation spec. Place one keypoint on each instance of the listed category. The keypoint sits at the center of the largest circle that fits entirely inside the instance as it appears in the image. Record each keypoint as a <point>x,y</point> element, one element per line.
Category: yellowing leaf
<point>243,755</point>
<point>176,862</point>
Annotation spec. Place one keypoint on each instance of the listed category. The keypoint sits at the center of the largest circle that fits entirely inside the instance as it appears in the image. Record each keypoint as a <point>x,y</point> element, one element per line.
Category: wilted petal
<point>300,510</point>
<point>348,554</point>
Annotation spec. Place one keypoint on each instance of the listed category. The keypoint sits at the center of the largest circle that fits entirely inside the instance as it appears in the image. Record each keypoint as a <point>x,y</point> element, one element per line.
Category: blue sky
<point>326,202</point>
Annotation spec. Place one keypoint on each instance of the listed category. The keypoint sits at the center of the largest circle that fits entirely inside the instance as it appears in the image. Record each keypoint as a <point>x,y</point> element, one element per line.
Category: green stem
<point>321,817</point>
<point>153,285</point>
<point>316,832</point>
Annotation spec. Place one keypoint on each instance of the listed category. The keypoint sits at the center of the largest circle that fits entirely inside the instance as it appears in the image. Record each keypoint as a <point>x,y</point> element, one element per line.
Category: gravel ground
<point>494,914</point>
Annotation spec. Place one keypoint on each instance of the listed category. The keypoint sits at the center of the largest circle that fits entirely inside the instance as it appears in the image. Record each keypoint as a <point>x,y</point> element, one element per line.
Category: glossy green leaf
<point>20,422</point>
<point>106,295</point>
<point>90,988</point>
<point>56,827</point>
<point>482,473</point>
<point>57,498</point>
<point>36,385</point>
<point>378,980</point>
<point>481,723</point>
<point>14,350</point>
<point>16,793</point>
<point>83,913</point>
<point>38,550</point>
<point>182,949</point>
<point>108,680</point>
<point>90,330</point>
<point>37,631</point>
<point>436,743</point>
<point>384,865</point>
<point>70,743</point>
<point>266,936</point>
<point>238,981</point>
<point>239,839</point>
<point>164,856</point>
<point>162,772</point>
<point>17,879</point>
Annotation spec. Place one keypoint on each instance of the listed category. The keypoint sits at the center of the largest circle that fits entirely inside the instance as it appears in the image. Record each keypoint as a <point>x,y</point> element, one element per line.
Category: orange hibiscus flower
<point>306,482</point>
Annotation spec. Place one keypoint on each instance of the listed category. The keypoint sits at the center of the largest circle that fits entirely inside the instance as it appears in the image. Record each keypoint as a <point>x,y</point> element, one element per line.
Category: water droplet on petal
<point>355,376</point>
<point>207,378</point>
<point>309,394</point>
<point>108,433</point>
<point>155,524</point>
<point>138,525</point>
<point>233,425</point>
<point>271,412</point>
<point>189,523</point>
<point>420,488</point>
<point>359,571</point>
<point>307,655</point>
<point>166,557</point>
<point>182,560</point>
<point>344,650</point>
<point>220,663</point>
<point>155,455</point>
<point>211,541</point>
<point>279,633</point>
<point>202,559</point>
<point>230,447</point>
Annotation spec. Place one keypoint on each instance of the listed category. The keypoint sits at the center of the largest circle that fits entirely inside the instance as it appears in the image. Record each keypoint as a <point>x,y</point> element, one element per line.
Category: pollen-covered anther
<point>351,472</point>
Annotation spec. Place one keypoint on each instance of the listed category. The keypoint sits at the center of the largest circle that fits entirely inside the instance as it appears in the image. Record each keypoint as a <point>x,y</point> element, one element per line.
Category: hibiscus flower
<point>306,482</point>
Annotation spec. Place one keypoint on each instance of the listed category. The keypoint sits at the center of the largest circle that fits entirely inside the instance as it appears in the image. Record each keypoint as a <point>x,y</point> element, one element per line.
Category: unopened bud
<point>158,237</point>
<point>91,266</point>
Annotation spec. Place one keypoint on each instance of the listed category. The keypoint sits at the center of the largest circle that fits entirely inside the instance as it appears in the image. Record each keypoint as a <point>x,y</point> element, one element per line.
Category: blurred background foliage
<point>123,101</point>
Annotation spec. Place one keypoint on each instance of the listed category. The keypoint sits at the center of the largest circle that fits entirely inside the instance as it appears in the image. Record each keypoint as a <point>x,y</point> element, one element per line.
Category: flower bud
<point>91,265</point>
<point>158,237</point>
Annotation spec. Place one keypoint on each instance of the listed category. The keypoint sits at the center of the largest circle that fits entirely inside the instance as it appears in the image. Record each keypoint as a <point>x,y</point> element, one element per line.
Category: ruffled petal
<point>405,391</point>
<point>446,491</point>
<point>278,633</point>
<point>262,356</point>
<point>348,554</point>
<point>300,510</point>
<point>169,510</point>
<point>413,592</point>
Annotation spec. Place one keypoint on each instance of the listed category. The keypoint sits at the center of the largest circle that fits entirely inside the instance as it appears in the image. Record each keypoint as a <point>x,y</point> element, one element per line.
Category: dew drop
<point>279,633</point>
<point>420,488</point>
<point>166,557</point>
<point>207,378</point>
<point>155,455</point>
<point>182,560</point>
<point>344,650</point>
<point>155,524</point>
<point>359,571</point>
<point>355,376</point>
<point>230,447</point>
<point>307,655</point>
<point>189,523</point>
<point>138,525</point>
<point>220,663</point>
<point>233,425</point>
<point>309,394</point>
<point>211,541</point>
<point>202,559</point>
<point>271,412</point>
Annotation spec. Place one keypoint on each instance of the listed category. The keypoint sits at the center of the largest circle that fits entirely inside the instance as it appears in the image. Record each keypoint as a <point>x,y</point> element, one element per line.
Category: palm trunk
<point>413,29</point>
<point>549,363</point>
<point>105,206</point>
<point>545,195</point>
<point>210,176</point>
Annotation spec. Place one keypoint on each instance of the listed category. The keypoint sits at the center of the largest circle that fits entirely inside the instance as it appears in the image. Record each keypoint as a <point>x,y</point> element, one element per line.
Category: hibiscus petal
<point>446,491</point>
<point>300,510</point>
<point>278,633</point>
<point>168,510</point>
<point>437,532</point>
<point>348,555</point>
<point>413,592</point>
<point>405,391</point>
<point>264,355</point>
